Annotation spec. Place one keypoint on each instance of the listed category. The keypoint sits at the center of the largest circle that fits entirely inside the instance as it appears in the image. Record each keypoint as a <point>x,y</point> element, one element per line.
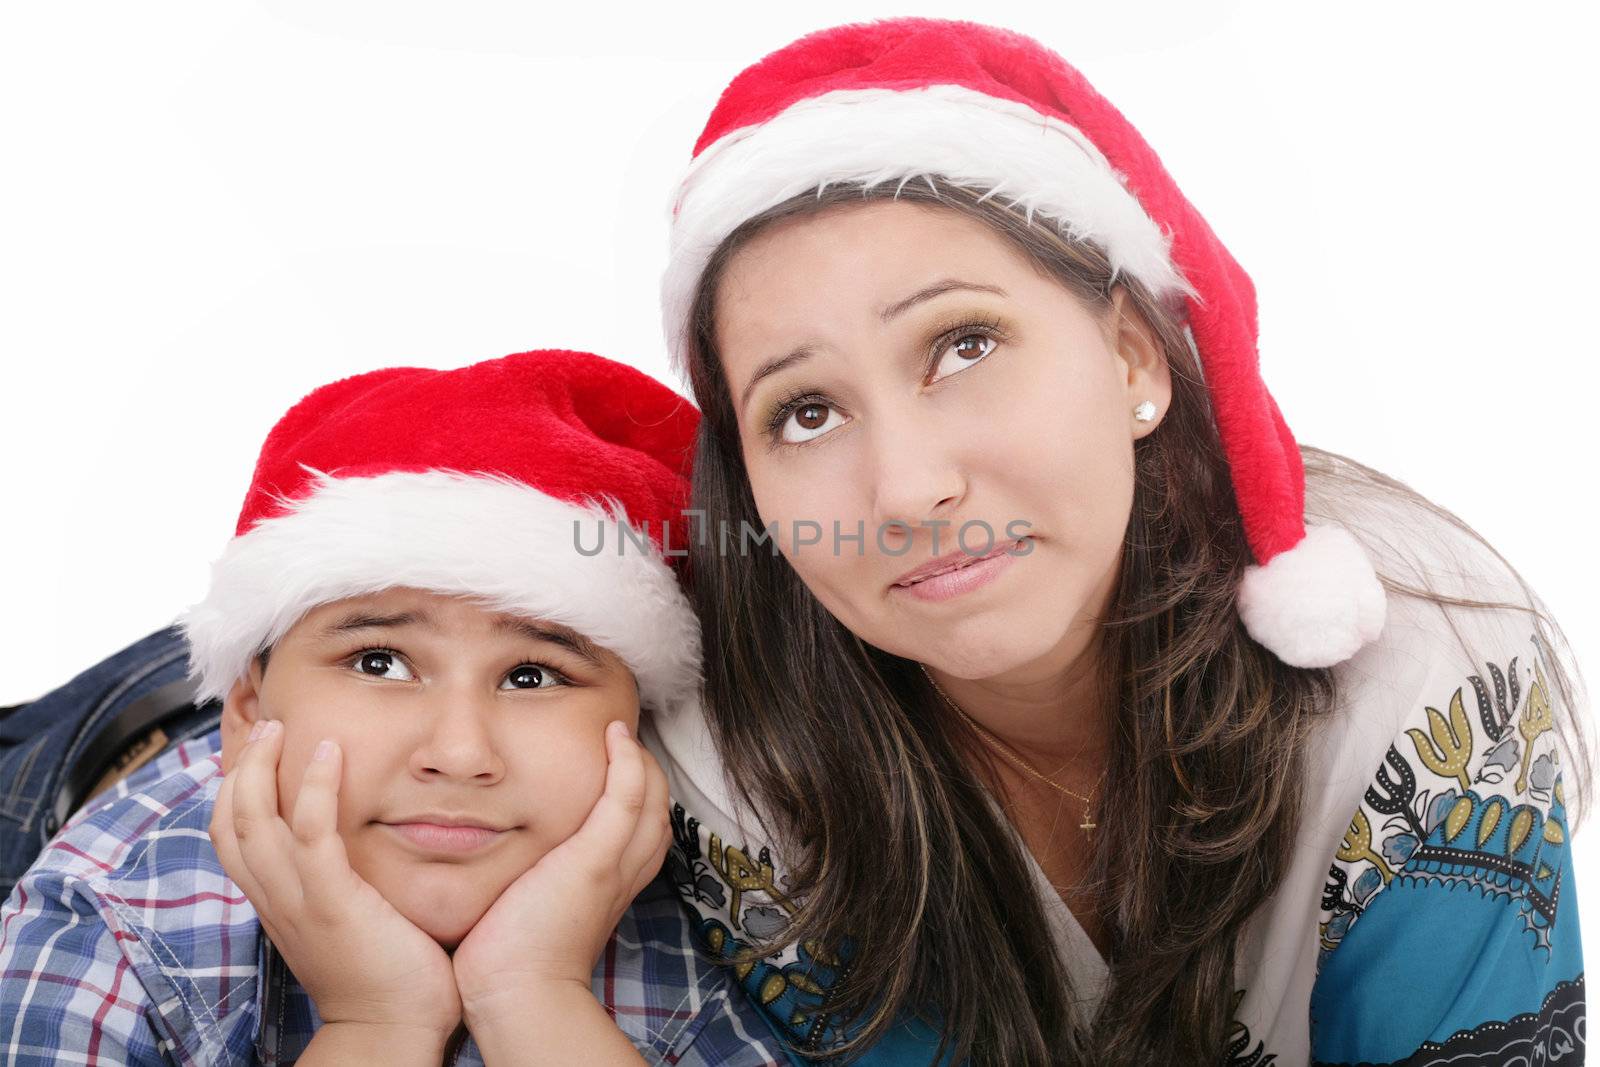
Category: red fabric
<point>914,53</point>
<point>573,425</point>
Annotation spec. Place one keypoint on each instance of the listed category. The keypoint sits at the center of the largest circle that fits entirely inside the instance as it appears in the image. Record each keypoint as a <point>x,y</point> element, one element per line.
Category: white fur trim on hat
<point>1316,604</point>
<point>492,539</point>
<point>871,136</point>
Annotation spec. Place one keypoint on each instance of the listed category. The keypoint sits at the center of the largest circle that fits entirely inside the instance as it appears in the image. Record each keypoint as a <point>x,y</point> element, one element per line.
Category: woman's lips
<point>957,573</point>
<point>439,837</point>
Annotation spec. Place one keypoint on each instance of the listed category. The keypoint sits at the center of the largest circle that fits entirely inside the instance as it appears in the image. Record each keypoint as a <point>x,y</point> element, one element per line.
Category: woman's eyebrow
<point>771,367</point>
<point>939,288</point>
<point>575,643</point>
<point>804,352</point>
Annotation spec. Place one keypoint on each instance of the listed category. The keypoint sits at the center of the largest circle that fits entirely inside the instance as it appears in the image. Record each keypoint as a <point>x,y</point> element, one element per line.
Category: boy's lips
<point>446,833</point>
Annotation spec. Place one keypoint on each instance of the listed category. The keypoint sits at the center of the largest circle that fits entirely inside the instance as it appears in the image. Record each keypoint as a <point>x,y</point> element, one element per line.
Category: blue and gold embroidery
<point>1441,938</point>
<point>1459,822</point>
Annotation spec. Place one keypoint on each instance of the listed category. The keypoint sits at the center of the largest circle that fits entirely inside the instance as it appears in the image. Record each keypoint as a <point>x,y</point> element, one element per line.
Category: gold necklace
<point>1004,750</point>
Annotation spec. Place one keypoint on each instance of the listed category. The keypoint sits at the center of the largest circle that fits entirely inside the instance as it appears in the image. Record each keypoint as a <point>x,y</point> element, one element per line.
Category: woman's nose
<point>914,474</point>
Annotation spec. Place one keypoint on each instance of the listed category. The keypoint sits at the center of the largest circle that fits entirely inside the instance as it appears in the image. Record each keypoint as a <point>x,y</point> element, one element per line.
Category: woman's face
<point>901,371</point>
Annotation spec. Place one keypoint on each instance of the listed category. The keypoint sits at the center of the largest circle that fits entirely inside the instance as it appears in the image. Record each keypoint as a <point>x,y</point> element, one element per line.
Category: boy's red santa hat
<point>900,99</point>
<point>481,482</point>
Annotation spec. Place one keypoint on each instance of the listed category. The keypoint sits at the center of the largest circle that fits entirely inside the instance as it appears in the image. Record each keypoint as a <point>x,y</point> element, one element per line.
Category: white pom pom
<point>1316,604</point>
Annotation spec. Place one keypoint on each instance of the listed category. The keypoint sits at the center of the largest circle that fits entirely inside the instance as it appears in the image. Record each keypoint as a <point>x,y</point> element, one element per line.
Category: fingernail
<point>324,750</point>
<point>625,731</point>
<point>258,729</point>
<point>273,725</point>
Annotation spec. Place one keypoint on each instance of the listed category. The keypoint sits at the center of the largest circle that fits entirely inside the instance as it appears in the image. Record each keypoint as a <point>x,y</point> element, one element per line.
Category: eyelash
<point>353,661</point>
<point>788,406</point>
<point>989,328</point>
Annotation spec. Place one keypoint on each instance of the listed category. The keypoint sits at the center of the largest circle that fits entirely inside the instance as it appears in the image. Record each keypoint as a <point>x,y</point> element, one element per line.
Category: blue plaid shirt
<point>126,943</point>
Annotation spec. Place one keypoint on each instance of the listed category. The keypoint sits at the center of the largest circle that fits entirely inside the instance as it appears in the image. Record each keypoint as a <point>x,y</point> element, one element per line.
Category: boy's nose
<point>459,744</point>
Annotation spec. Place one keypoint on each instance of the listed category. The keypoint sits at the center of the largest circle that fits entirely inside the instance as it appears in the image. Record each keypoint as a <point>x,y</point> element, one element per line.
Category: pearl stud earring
<point>1145,411</point>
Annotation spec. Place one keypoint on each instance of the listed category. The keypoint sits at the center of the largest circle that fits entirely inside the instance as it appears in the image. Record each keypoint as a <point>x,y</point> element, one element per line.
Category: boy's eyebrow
<point>533,631</point>
<point>568,639</point>
<point>363,621</point>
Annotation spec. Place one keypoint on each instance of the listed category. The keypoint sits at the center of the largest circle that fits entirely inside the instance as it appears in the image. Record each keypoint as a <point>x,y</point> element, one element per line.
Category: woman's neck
<point>1051,711</point>
<point>1051,714</point>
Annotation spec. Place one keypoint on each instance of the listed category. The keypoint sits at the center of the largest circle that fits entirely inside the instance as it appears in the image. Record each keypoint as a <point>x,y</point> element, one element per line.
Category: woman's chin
<point>978,663</point>
<point>986,647</point>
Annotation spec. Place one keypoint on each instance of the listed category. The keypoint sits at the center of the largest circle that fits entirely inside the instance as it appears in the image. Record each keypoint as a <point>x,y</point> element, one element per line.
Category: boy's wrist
<point>433,1023</point>
<point>551,1018</point>
<point>345,1042</point>
<point>525,999</point>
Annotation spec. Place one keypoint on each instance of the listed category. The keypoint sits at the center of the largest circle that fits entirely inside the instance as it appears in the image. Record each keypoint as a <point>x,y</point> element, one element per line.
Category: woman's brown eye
<point>809,421</point>
<point>972,346</point>
<point>962,353</point>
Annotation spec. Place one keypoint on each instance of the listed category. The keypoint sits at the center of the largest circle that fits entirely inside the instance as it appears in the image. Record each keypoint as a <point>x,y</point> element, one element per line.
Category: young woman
<point>1068,709</point>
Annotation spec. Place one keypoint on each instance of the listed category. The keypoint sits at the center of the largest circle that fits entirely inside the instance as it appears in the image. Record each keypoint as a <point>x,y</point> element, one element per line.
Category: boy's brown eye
<point>382,663</point>
<point>527,676</point>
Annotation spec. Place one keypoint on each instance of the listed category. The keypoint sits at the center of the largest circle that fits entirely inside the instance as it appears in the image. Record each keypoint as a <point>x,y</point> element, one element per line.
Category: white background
<point>209,208</point>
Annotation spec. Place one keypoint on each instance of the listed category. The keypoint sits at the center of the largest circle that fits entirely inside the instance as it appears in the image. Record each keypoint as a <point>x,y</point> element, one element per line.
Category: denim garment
<point>39,741</point>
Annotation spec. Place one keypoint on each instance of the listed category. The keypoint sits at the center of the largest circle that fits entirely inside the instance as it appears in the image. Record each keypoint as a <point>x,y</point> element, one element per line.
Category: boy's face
<point>473,741</point>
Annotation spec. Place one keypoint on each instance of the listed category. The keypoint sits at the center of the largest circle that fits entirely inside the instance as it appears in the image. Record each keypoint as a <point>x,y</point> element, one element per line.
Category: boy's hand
<point>362,962</point>
<point>549,926</point>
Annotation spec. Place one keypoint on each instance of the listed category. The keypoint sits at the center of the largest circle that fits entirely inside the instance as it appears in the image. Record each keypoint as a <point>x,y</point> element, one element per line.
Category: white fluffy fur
<point>879,135</point>
<point>492,539</point>
<point>1316,604</point>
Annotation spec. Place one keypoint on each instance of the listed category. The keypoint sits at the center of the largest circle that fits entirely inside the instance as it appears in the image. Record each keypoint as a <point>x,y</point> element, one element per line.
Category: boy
<point>424,814</point>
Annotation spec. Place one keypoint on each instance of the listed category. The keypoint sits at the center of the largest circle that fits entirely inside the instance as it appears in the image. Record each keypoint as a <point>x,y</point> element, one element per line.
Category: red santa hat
<point>498,482</point>
<point>986,108</point>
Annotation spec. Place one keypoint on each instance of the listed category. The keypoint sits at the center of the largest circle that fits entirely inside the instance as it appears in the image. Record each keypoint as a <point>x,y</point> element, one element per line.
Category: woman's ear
<point>240,710</point>
<point>1144,365</point>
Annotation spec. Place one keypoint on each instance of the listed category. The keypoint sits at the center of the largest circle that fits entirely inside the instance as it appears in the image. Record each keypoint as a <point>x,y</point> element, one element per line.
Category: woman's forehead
<point>853,269</point>
<point>877,230</point>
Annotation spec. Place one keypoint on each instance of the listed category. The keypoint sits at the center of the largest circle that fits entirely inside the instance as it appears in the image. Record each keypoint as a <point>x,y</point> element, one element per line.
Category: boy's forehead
<point>400,608</point>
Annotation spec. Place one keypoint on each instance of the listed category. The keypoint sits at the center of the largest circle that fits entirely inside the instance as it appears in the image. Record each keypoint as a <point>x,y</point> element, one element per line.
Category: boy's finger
<point>321,860</point>
<point>644,857</point>
<point>644,849</point>
<point>610,825</point>
<point>263,837</point>
<point>652,865</point>
<point>227,844</point>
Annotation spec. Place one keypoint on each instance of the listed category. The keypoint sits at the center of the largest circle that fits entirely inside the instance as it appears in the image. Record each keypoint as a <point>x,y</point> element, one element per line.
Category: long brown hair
<point>867,775</point>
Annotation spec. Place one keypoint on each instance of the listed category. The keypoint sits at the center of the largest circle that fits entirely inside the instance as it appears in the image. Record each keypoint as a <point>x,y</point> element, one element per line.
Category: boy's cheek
<point>292,764</point>
<point>298,747</point>
<point>561,792</point>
